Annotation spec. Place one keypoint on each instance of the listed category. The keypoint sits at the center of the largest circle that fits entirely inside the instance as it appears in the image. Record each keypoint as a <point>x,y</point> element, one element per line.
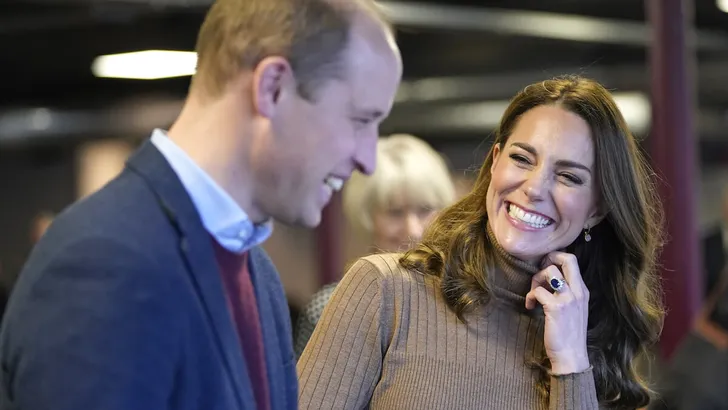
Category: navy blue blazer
<point>121,307</point>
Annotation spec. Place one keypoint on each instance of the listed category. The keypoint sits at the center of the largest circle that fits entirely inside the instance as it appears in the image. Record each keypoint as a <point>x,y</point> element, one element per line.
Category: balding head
<point>312,35</point>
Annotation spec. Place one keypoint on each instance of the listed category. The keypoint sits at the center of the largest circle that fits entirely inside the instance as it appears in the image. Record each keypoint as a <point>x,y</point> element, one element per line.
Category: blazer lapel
<point>196,249</point>
<point>273,331</point>
<point>270,338</point>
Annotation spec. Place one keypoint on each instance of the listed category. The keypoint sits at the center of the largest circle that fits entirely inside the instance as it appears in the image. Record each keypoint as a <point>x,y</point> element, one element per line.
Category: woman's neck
<point>512,277</point>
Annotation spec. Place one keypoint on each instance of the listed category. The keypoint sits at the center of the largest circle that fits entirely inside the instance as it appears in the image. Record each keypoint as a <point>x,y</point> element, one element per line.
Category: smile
<point>530,219</point>
<point>334,183</point>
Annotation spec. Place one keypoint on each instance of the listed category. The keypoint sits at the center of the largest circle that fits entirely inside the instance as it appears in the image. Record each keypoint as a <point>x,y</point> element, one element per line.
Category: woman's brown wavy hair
<point>618,264</point>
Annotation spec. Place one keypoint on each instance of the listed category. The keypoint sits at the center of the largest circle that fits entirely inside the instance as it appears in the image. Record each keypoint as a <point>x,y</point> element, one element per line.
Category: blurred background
<point>71,112</point>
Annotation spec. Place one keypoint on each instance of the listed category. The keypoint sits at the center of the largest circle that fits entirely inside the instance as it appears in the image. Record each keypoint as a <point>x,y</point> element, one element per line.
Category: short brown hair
<point>311,34</point>
<point>618,265</point>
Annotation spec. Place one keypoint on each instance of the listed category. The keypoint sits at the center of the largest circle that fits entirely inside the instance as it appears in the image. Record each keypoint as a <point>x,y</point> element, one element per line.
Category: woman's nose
<point>536,185</point>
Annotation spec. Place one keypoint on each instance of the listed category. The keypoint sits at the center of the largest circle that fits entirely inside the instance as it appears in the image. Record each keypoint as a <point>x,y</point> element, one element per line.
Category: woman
<point>392,206</point>
<point>537,290</point>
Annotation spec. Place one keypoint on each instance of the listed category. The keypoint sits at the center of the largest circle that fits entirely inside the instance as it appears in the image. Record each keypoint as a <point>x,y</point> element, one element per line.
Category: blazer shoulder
<point>106,244</point>
<point>101,259</point>
<point>123,216</point>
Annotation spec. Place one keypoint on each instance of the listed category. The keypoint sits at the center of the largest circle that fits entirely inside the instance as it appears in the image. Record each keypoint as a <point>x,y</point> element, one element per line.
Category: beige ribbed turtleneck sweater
<point>387,340</point>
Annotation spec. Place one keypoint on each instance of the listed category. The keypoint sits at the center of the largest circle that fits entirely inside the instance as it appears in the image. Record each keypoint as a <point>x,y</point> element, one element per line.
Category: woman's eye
<point>572,178</point>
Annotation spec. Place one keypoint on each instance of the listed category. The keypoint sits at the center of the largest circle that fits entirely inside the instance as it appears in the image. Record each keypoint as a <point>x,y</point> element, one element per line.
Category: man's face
<point>312,147</point>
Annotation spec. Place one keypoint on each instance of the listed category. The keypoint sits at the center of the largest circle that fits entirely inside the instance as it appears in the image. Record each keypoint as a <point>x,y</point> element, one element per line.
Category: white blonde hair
<point>405,165</point>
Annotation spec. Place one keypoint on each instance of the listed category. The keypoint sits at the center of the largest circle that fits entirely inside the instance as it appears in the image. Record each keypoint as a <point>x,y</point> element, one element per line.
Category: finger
<point>543,278</point>
<point>539,295</point>
<point>570,268</point>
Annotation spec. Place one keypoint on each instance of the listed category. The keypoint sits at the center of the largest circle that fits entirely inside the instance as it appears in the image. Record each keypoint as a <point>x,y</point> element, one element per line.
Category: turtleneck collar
<point>512,279</point>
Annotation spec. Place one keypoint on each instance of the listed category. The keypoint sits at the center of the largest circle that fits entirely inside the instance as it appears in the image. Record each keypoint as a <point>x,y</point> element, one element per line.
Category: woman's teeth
<point>536,221</point>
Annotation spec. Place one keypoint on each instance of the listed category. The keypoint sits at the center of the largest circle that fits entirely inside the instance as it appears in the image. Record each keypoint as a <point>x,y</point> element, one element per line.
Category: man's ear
<point>270,78</point>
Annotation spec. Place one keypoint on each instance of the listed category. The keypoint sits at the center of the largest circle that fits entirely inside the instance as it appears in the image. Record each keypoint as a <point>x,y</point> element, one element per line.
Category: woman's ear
<point>496,154</point>
<point>594,219</point>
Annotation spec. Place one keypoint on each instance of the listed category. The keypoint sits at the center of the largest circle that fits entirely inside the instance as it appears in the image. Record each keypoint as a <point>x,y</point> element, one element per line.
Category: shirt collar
<point>221,216</point>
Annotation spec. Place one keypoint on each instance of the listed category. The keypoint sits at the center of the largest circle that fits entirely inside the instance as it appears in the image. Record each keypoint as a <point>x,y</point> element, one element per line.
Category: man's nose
<point>365,156</point>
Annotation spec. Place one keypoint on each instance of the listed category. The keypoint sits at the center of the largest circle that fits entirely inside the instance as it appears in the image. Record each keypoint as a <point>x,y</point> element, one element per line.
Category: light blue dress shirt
<point>221,216</point>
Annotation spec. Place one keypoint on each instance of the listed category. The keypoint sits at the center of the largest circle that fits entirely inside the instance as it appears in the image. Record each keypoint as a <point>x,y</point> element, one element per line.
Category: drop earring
<point>587,234</point>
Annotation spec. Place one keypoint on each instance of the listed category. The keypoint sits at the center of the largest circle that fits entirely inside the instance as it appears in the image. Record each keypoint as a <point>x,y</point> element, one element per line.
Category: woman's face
<point>543,191</point>
<point>399,224</point>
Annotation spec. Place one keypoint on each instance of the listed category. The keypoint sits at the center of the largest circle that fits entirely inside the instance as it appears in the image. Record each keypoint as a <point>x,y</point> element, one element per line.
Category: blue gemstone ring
<point>557,284</point>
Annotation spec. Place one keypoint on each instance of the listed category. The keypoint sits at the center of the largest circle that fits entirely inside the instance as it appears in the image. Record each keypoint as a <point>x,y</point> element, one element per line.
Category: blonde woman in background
<point>393,206</point>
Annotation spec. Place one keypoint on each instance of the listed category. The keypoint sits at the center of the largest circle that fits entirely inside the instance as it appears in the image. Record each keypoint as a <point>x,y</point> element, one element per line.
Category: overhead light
<point>146,65</point>
<point>486,115</point>
<point>722,5</point>
<point>636,110</point>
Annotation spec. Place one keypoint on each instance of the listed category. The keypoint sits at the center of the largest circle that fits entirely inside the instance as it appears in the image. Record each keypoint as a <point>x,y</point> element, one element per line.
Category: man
<point>153,293</point>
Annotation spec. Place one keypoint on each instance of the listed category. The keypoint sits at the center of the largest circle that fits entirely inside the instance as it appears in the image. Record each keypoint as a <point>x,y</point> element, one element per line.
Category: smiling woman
<point>536,290</point>
<point>563,163</point>
<point>542,192</point>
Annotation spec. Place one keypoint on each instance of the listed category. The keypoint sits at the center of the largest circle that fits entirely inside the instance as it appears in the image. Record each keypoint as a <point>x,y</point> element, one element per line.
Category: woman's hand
<point>566,313</point>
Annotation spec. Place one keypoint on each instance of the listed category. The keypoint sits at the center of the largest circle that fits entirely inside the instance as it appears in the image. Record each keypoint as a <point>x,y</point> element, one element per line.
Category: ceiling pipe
<point>512,22</point>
